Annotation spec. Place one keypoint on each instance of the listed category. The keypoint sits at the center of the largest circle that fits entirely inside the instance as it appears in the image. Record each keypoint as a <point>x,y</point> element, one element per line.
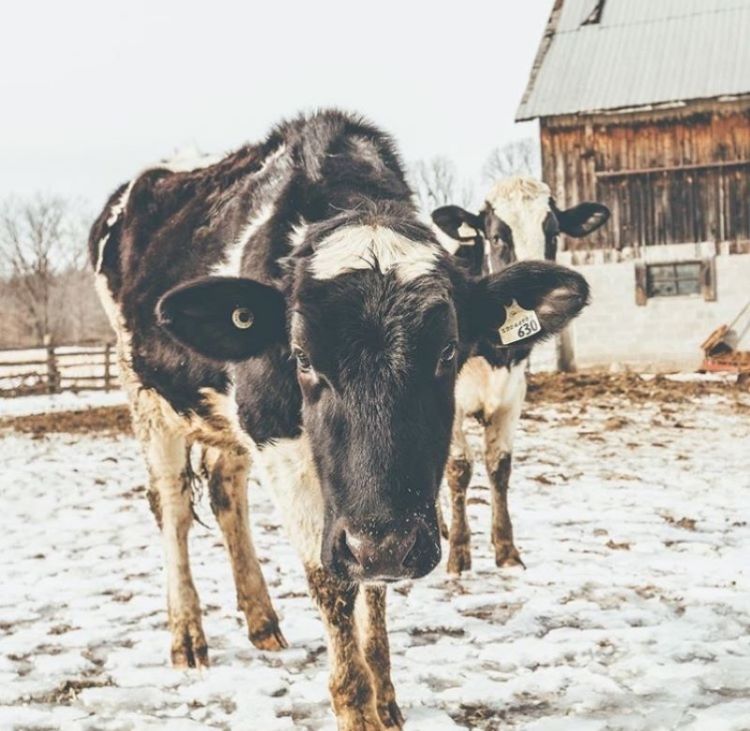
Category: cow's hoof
<point>459,559</point>
<point>353,720</point>
<point>189,648</point>
<point>507,557</point>
<point>390,715</point>
<point>268,637</point>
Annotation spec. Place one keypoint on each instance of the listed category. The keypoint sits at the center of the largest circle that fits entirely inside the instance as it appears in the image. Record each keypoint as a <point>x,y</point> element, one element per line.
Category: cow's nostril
<point>352,548</point>
<point>409,545</point>
<point>345,548</point>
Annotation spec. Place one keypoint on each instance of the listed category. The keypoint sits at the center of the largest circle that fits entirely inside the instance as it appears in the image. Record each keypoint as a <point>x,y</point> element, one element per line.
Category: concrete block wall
<point>666,332</point>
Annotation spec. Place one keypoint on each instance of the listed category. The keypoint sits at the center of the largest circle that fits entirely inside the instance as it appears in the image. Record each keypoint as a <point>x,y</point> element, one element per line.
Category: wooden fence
<point>53,369</point>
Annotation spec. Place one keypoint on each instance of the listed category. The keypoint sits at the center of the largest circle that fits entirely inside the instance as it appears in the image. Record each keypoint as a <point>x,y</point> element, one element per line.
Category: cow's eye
<point>303,361</point>
<point>448,354</point>
<point>242,318</point>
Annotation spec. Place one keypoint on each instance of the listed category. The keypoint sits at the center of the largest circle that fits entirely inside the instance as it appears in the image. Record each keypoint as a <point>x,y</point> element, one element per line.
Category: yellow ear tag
<point>465,231</point>
<point>242,318</point>
<point>519,324</point>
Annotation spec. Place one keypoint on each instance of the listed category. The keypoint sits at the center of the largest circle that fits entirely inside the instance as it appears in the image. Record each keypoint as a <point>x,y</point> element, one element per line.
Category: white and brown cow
<point>519,222</point>
<point>284,306</point>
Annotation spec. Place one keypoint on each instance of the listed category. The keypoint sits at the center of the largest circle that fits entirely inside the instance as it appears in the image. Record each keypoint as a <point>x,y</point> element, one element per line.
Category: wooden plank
<point>720,165</point>
<point>14,363</point>
<point>82,378</point>
<point>80,353</point>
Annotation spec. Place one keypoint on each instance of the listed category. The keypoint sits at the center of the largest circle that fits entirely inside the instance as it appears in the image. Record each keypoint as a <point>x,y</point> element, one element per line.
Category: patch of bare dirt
<point>581,387</point>
<point>480,716</point>
<point>543,388</point>
<point>102,419</point>
<point>67,691</point>
<point>684,523</point>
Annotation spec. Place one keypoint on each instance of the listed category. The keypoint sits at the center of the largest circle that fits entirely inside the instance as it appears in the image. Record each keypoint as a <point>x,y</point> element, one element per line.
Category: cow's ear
<point>582,219</point>
<point>223,318</point>
<point>525,303</point>
<point>458,223</point>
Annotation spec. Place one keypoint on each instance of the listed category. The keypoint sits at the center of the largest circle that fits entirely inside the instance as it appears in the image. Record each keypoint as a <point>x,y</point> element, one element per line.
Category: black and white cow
<point>285,306</point>
<point>519,222</point>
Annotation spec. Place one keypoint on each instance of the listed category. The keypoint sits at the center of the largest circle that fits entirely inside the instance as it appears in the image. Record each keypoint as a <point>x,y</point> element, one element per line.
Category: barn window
<point>671,280</point>
<point>595,16</point>
<point>675,279</point>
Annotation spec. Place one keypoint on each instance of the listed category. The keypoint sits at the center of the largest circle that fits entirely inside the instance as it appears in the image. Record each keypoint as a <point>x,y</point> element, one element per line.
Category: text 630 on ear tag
<point>519,324</point>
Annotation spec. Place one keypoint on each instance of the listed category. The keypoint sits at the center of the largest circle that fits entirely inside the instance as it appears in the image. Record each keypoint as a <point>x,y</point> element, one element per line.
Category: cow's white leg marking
<point>166,451</point>
<point>498,451</point>
<point>227,485</point>
<point>370,611</point>
<point>458,474</point>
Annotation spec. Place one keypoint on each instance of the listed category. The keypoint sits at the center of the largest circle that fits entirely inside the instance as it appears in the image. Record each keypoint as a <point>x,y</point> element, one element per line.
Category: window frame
<point>706,279</point>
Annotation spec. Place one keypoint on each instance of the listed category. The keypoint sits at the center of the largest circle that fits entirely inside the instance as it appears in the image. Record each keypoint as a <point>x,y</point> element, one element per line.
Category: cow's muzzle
<point>406,553</point>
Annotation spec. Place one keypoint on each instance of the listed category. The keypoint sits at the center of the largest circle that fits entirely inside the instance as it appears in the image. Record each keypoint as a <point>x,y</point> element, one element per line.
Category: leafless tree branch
<point>515,158</point>
<point>436,183</point>
<point>41,243</point>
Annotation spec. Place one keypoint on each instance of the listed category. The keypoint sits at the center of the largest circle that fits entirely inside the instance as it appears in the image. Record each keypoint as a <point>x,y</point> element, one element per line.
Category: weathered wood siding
<point>674,176</point>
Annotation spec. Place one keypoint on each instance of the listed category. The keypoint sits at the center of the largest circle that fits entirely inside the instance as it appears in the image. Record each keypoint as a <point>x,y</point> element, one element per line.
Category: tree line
<point>47,283</point>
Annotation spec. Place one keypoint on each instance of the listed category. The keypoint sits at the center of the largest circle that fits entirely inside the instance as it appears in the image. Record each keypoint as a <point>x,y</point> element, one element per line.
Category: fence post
<point>53,373</point>
<point>107,373</point>
<point>566,357</point>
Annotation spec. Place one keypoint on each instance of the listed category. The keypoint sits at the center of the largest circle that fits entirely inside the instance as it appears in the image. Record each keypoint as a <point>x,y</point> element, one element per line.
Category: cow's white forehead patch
<point>523,204</point>
<point>372,247</point>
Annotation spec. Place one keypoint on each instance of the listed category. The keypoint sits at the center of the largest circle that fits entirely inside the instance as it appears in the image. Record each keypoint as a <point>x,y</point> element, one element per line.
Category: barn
<point>645,106</point>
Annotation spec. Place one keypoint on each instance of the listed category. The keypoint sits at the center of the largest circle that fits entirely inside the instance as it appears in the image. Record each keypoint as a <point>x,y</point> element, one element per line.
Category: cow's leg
<point>373,635</point>
<point>458,474</point>
<point>442,525</point>
<point>498,441</point>
<point>228,492</point>
<point>353,694</point>
<point>169,492</point>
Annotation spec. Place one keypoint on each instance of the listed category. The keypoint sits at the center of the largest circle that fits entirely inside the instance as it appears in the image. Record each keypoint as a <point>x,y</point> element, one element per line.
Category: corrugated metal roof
<point>642,52</point>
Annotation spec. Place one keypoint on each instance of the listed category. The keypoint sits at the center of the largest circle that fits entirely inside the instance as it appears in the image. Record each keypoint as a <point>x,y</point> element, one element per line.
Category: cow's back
<point>240,216</point>
<point>162,229</point>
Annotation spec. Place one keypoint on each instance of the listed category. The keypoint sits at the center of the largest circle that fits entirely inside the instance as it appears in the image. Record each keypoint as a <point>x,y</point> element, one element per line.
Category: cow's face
<point>374,330</point>
<point>518,222</point>
<point>379,320</point>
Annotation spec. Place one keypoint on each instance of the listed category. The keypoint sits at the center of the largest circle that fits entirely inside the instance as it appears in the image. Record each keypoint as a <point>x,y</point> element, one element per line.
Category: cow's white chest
<point>286,468</point>
<point>486,390</point>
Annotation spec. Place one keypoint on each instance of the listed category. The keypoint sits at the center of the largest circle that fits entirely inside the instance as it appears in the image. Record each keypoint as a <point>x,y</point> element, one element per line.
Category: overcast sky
<point>92,91</point>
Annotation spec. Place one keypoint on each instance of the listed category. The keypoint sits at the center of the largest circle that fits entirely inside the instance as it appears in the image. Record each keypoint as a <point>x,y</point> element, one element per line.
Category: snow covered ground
<point>66,401</point>
<point>634,613</point>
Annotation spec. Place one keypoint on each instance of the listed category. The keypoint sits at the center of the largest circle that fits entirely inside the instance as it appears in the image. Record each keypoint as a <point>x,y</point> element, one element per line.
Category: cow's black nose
<point>387,556</point>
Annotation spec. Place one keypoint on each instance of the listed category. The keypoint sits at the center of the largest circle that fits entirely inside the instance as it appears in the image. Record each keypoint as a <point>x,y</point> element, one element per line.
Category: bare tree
<point>436,183</point>
<point>520,157</point>
<point>41,240</point>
